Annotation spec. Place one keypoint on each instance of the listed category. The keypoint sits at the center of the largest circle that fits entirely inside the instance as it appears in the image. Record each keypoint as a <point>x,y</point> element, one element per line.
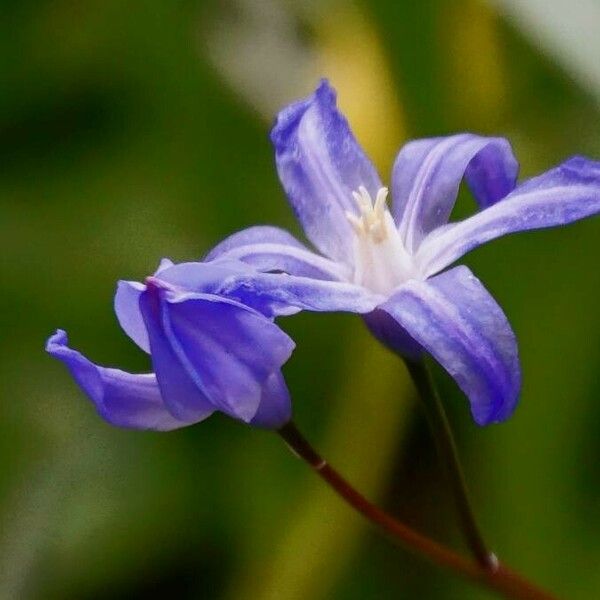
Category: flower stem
<point>444,439</point>
<point>500,579</point>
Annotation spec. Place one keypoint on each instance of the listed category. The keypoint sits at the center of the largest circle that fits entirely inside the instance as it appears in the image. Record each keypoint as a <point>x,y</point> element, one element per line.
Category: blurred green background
<point>132,131</point>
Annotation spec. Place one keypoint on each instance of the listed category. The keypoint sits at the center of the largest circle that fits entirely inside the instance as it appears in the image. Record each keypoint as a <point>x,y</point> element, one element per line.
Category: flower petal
<point>456,320</point>
<point>562,195</point>
<point>273,249</point>
<point>320,164</point>
<point>427,174</point>
<point>275,408</point>
<point>286,294</point>
<point>122,399</point>
<point>259,234</point>
<point>192,277</point>
<point>216,278</point>
<point>127,309</point>
<point>203,277</point>
<point>213,348</point>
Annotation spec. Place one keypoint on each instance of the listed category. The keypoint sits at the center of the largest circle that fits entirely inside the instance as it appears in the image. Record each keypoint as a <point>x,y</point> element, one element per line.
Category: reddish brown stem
<point>500,579</point>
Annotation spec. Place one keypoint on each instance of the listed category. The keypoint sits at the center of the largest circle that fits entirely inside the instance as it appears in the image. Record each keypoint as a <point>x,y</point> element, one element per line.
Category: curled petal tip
<point>56,341</point>
<point>122,399</point>
<point>165,263</point>
<point>325,91</point>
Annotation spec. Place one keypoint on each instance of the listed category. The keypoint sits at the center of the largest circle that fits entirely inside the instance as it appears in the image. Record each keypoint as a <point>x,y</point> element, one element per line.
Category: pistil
<point>381,262</point>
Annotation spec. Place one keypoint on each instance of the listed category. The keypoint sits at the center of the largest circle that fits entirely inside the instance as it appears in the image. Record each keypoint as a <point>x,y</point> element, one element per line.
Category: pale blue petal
<point>203,276</point>
<point>560,196</point>
<point>427,175</point>
<point>286,294</point>
<point>259,234</point>
<point>454,318</point>
<point>270,249</point>
<point>127,309</point>
<point>123,399</point>
<point>320,164</point>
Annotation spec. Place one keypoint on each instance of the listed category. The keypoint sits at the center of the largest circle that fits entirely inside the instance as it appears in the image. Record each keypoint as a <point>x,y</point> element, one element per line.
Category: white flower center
<point>381,262</point>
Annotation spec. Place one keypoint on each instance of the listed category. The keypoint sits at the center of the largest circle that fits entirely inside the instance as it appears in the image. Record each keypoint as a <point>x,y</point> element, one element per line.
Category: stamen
<point>356,222</point>
<point>363,201</point>
<point>372,221</point>
<point>380,201</point>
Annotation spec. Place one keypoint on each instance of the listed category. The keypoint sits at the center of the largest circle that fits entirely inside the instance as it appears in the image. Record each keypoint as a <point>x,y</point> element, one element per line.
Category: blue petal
<point>203,276</point>
<point>273,249</point>
<point>275,408</point>
<point>258,234</point>
<point>213,349</point>
<point>122,399</point>
<point>165,263</point>
<point>320,164</point>
<point>127,309</point>
<point>562,195</point>
<point>427,174</point>
<point>216,278</point>
<point>455,319</point>
<point>192,277</point>
<point>286,294</point>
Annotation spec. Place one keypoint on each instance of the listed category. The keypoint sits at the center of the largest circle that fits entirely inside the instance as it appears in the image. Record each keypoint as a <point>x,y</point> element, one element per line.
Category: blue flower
<point>389,264</point>
<point>209,353</point>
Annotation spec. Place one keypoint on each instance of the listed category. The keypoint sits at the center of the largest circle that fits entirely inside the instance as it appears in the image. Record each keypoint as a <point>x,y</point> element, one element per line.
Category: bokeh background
<point>135,130</point>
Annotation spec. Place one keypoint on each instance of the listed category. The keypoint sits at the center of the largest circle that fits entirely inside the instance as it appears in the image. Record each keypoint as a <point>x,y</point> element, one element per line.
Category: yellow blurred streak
<point>371,409</point>
<point>370,416</point>
<point>350,54</point>
<point>477,87</point>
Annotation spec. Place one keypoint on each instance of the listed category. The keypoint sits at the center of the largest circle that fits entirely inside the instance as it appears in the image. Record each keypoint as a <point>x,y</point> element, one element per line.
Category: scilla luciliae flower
<point>397,255</point>
<point>209,353</point>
